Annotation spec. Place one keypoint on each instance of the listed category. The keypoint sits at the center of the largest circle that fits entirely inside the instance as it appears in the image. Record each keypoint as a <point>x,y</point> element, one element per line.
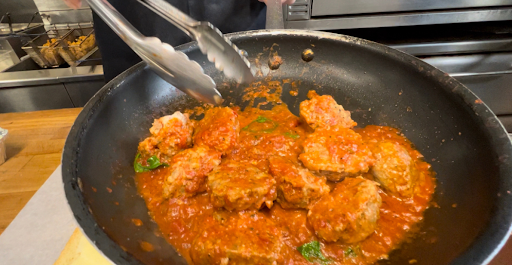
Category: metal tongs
<point>174,66</point>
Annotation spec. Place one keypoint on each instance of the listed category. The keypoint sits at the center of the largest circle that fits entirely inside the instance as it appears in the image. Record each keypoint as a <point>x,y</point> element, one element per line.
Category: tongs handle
<point>173,66</point>
<point>173,15</point>
<point>218,49</point>
<point>274,15</point>
<point>116,22</point>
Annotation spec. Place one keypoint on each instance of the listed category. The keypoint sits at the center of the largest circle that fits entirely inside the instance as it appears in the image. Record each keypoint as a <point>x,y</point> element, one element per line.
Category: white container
<point>3,137</point>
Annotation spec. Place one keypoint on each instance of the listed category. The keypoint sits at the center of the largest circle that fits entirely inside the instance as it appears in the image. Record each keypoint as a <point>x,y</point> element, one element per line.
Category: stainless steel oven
<point>342,14</point>
<point>469,39</point>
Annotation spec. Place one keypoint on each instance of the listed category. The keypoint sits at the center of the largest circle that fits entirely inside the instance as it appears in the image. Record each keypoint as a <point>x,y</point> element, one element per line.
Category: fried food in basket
<point>82,45</point>
<point>49,52</point>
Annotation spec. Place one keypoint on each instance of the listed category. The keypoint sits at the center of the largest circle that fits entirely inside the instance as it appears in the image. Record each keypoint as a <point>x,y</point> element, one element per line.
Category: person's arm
<point>75,4</point>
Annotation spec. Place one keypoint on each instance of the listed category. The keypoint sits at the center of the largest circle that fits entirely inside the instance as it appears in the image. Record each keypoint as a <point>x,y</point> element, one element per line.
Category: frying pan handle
<point>274,15</point>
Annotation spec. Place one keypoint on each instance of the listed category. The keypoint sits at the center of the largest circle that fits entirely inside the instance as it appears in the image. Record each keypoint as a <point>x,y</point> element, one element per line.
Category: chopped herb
<point>291,135</point>
<point>350,252</point>
<point>261,119</point>
<point>311,252</point>
<point>153,162</point>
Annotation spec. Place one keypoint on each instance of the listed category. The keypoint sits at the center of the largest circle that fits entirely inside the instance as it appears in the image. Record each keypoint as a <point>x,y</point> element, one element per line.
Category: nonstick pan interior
<point>458,134</point>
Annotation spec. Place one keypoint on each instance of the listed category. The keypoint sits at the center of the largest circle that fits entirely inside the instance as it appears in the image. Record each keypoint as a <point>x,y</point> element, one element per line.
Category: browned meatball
<point>219,129</point>
<point>324,112</point>
<point>394,168</point>
<point>349,213</point>
<point>239,186</point>
<point>247,238</point>
<point>336,153</point>
<point>169,135</point>
<point>188,171</point>
<point>296,186</point>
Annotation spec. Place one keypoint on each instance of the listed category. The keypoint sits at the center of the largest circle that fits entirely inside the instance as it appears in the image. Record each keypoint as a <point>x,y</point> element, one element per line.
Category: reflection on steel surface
<point>455,47</point>
<point>343,7</point>
<point>403,19</point>
<point>50,76</point>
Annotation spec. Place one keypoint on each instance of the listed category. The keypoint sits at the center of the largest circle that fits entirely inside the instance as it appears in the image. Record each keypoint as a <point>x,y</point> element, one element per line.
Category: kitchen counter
<point>34,148</point>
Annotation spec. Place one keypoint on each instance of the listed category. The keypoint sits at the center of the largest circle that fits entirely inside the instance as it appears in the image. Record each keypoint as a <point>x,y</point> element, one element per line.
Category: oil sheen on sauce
<point>182,219</point>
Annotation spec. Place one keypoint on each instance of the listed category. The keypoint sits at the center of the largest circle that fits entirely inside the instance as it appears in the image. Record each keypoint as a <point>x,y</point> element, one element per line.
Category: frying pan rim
<point>110,249</point>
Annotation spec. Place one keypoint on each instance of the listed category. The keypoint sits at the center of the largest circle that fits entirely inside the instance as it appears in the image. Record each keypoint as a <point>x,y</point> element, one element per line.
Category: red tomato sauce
<point>281,133</point>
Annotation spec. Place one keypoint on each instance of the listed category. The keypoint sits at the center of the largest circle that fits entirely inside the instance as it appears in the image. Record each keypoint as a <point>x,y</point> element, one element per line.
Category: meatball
<point>239,186</point>
<point>246,238</point>
<point>296,186</point>
<point>394,169</point>
<point>188,171</point>
<point>169,135</point>
<point>324,112</point>
<point>219,129</point>
<point>349,213</point>
<point>336,153</point>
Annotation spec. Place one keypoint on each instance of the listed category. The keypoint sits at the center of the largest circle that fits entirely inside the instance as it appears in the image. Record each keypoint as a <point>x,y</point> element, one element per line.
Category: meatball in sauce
<point>349,213</point>
<point>324,112</point>
<point>296,186</point>
<point>245,238</point>
<point>188,171</point>
<point>218,130</point>
<point>258,186</point>
<point>394,169</point>
<point>336,153</point>
<point>169,135</point>
<point>240,186</point>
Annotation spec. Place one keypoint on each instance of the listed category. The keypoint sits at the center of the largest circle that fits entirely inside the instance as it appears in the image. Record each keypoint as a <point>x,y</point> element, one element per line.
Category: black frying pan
<point>462,139</point>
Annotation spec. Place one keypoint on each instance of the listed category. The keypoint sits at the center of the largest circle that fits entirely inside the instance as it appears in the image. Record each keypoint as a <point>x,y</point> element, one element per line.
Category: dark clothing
<point>227,15</point>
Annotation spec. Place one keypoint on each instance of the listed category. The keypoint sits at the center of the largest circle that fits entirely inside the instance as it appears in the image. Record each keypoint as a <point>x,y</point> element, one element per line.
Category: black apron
<point>227,15</point>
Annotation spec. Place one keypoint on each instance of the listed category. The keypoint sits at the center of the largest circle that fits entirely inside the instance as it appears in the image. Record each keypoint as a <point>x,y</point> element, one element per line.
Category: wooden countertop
<point>34,148</point>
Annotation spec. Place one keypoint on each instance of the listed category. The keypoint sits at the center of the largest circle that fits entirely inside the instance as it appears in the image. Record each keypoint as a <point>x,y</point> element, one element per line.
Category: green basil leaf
<point>153,162</point>
<point>311,252</point>
<point>137,166</point>
<point>261,119</point>
<point>292,135</point>
<point>349,252</point>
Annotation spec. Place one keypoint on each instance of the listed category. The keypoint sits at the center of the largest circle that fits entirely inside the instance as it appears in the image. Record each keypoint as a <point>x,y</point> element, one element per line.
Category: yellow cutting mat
<point>79,251</point>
